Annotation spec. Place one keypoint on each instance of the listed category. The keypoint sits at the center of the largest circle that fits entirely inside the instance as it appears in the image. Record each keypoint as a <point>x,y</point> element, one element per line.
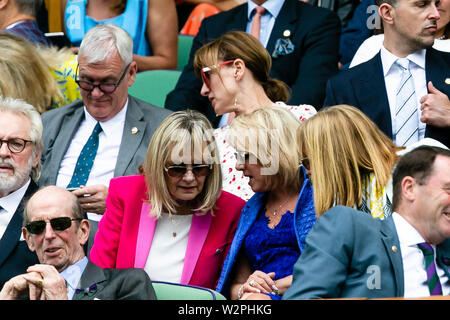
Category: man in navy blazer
<point>409,32</point>
<point>349,254</point>
<point>20,149</point>
<point>313,31</point>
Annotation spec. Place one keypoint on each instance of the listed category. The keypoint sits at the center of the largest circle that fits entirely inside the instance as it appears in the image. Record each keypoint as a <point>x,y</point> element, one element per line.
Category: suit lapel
<point>14,229</point>
<point>197,236</point>
<point>62,142</point>
<point>93,274</point>
<point>286,20</point>
<point>147,226</point>
<point>133,132</point>
<point>370,90</point>
<point>390,240</point>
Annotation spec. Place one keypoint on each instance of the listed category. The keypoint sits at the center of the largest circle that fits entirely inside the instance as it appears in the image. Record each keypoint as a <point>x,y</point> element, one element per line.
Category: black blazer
<point>314,32</point>
<point>15,257</point>
<point>363,87</point>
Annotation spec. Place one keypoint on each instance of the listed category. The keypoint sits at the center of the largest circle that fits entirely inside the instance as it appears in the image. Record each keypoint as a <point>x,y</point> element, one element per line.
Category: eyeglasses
<point>305,163</point>
<point>205,70</point>
<point>243,156</point>
<point>58,224</point>
<point>178,171</point>
<point>15,145</point>
<point>105,87</point>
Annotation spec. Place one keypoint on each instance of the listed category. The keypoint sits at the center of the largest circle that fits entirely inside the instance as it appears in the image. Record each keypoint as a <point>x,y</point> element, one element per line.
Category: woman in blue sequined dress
<point>275,221</point>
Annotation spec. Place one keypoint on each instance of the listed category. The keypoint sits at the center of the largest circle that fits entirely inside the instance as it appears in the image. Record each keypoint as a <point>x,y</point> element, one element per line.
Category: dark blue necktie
<point>85,160</point>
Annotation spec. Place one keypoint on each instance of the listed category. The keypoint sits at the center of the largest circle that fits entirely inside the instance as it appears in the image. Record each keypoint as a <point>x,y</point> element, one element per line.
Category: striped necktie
<point>432,277</point>
<point>85,159</point>
<point>406,118</point>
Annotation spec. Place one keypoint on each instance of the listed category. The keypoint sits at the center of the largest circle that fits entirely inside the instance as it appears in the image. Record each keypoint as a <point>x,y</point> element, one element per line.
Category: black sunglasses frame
<point>58,224</point>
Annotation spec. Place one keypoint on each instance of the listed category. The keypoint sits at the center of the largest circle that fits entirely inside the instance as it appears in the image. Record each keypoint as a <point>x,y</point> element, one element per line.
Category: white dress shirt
<point>392,76</point>
<point>415,275</point>
<point>9,204</point>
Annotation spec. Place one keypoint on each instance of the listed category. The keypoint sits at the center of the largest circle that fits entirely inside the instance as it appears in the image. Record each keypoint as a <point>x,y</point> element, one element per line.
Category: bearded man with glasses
<point>20,150</point>
<point>55,227</point>
<point>105,135</point>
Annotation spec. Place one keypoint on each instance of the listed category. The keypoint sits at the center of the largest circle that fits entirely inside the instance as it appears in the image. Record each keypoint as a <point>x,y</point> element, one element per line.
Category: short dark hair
<point>393,3</point>
<point>418,164</point>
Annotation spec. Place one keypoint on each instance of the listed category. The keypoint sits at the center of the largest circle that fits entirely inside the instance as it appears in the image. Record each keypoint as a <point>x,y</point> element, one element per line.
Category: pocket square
<point>283,46</point>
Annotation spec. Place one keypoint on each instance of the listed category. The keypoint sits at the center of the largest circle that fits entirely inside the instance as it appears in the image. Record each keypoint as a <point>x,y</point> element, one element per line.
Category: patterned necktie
<point>256,23</point>
<point>406,118</point>
<point>86,159</point>
<point>432,277</point>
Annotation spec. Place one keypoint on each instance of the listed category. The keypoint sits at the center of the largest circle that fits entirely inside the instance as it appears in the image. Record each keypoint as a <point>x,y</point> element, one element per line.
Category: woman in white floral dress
<point>235,72</point>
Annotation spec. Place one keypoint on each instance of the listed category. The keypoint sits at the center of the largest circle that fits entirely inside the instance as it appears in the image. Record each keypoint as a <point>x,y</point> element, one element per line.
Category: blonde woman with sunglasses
<point>173,221</point>
<point>235,72</point>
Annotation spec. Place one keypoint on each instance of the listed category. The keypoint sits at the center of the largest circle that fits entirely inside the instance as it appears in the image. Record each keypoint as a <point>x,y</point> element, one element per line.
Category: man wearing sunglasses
<point>115,126</point>
<point>20,150</point>
<point>55,227</point>
<point>302,40</point>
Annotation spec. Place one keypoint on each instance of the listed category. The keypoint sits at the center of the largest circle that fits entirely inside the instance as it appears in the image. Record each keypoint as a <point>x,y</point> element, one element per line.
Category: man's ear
<point>409,185</point>
<point>83,231</point>
<point>28,239</point>
<point>3,4</point>
<point>387,13</point>
<point>132,70</point>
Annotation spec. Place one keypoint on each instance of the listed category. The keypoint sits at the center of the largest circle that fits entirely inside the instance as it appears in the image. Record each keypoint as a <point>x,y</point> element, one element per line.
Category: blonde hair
<point>25,71</point>
<point>240,45</point>
<point>269,134</point>
<point>342,144</point>
<point>180,137</point>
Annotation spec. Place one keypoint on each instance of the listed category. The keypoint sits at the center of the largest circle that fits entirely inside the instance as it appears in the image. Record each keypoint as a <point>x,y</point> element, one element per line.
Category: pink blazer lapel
<point>197,236</point>
<point>146,231</point>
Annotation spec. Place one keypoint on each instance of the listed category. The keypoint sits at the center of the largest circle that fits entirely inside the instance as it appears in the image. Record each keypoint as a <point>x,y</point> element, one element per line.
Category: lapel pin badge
<point>447,81</point>
<point>394,249</point>
<point>287,33</point>
<point>134,130</point>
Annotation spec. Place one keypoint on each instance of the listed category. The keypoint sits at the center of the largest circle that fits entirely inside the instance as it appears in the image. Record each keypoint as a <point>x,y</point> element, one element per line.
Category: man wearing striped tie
<point>349,254</point>
<point>404,89</point>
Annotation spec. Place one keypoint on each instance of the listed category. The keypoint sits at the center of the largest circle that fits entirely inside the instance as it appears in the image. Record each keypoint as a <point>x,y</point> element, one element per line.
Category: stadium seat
<point>176,291</point>
<point>152,86</point>
<point>184,48</point>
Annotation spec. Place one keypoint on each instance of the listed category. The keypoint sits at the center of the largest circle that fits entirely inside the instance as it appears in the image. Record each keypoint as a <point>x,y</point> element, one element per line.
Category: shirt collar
<point>407,234</point>
<point>388,59</point>
<point>12,200</point>
<point>108,126</point>
<point>72,274</point>
<point>271,6</point>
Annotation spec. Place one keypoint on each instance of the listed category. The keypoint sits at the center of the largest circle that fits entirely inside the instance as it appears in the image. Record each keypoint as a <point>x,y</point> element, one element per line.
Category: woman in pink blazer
<point>174,221</point>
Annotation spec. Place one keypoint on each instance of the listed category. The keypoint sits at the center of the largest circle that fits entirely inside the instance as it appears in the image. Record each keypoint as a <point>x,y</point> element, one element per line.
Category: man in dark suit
<point>349,254</point>
<point>121,125</point>
<point>54,227</point>
<point>376,87</point>
<point>20,150</point>
<point>314,33</point>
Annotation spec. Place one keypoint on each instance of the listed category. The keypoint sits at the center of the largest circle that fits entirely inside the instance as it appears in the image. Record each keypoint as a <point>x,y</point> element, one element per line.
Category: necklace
<point>275,212</point>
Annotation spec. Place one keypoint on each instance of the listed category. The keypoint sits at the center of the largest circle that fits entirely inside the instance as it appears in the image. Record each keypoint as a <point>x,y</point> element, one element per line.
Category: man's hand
<point>92,198</point>
<point>19,286</point>
<point>435,107</point>
<point>52,284</point>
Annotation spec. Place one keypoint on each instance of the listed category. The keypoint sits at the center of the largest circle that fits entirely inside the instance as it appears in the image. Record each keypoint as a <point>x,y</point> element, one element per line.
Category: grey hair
<point>103,40</point>
<point>20,107</point>
<point>30,7</point>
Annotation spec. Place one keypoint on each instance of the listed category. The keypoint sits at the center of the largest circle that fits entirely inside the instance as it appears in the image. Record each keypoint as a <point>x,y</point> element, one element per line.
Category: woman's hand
<point>258,282</point>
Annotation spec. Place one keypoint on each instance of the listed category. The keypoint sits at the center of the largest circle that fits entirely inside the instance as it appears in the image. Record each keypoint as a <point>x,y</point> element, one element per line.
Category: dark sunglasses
<point>58,224</point>
<point>205,71</point>
<point>105,87</point>
<point>305,163</point>
<point>178,171</point>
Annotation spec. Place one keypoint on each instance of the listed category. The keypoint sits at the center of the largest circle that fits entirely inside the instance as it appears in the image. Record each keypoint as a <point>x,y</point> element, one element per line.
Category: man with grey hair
<point>105,135</point>
<point>19,17</point>
<point>20,151</point>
